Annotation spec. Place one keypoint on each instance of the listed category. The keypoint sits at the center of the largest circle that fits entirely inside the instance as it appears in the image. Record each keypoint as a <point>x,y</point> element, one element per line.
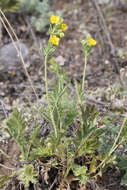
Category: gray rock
<point>9,58</point>
<point>121,4</point>
<point>102,2</point>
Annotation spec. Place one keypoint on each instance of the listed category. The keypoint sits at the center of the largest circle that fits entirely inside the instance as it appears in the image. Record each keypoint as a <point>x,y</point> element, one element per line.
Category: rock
<point>9,57</point>
<point>102,2</point>
<point>115,4</point>
<point>61,60</point>
<point>123,77</point>
<point>122,53</point>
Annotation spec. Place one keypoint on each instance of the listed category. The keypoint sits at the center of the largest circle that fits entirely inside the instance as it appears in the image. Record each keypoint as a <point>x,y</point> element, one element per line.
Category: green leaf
<point>3,180</point>
<point>44,151</point>
<point>33,136</point>
<point>80,172</point>
<point>124,180</point>
<point>124,132</point>
<point>70,116</point>
<point>123,163</point>
<point>27,175</point>
<point>16,126</point>
<point>9,5</point>
<point>93,165</point>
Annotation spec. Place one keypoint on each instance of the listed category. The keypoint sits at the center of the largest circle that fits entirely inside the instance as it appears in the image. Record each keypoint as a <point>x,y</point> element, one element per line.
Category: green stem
<point>82,144</point>
<point>118,136</point>
<point>67,171</point>
<point>84,74</point>
<point>80,104</point>
<point>46,81</point>
<point>115,143</point>
<point>47,95</point>
<point>6,155</point>
<point>53,122</point>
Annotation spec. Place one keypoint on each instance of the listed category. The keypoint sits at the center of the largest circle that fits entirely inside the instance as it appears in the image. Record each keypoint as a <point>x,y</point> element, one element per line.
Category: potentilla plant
<point>71,154</point>
<point>62,111</point>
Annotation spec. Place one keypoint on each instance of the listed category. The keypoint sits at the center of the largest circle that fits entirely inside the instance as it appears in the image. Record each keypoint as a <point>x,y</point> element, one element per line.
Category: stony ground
<point>105,67</point>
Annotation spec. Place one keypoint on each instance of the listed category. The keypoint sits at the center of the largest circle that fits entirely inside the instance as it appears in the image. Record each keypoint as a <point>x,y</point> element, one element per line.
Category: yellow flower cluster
<point>54,19</point>
<point>92,42</point>
<point>60,27</point>
<point>54,40</point>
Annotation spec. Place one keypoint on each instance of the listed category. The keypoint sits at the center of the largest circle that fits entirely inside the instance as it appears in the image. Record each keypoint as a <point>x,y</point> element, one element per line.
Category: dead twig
<point>93,101</point>
<point>52,184</point>
<point>107,34</point>
<point>3,108</point>
<point>34,37</point>
<point>6,167</point>
<point>105,28</point>
<point>7,24</point>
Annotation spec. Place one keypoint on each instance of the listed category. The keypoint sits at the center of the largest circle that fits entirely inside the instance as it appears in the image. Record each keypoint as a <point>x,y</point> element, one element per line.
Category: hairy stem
<point>84,74</point>
<point>8,26</point>
<point>46,80</point>
<point>47,94</point>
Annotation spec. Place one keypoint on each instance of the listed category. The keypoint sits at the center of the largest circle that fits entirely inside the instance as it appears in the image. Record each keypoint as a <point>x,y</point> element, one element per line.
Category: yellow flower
<point>64,27</point>
<point>92,41</point>
<point>54,19</point>
<point>54,40</point>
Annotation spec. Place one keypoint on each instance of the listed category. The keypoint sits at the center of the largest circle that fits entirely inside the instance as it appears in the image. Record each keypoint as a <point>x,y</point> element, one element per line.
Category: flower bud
<point>61,34</point>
